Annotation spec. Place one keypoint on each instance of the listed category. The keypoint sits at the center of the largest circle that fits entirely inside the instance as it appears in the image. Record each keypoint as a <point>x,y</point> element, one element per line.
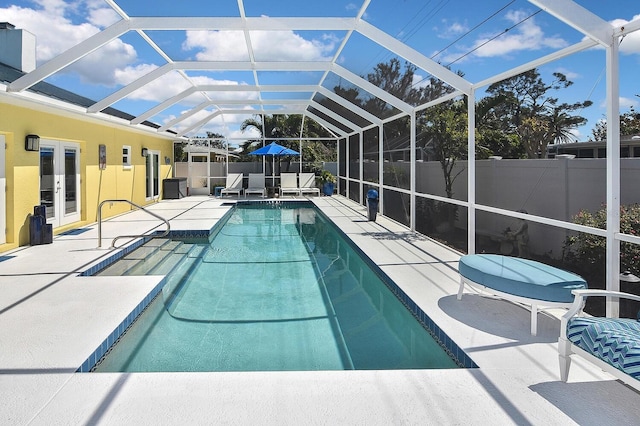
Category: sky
<point>478,38</point>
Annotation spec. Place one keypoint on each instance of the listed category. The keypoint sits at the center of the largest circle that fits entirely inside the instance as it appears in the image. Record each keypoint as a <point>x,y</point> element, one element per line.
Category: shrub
<point>588,251</point>
<point>327,177</point>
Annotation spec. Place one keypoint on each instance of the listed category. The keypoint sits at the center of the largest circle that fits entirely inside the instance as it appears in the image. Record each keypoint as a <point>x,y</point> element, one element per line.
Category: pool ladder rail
<point>113,243</point>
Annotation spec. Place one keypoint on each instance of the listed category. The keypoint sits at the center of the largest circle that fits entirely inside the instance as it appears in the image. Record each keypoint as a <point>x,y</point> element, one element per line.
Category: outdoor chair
<point>308,184</point>
<point>612,344</point>
<point>233,185</point>
<point>256,185</point>
<point>289,184</point>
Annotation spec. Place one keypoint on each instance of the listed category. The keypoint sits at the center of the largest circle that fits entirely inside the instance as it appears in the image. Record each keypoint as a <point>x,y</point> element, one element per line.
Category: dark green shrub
<point>588,251</point>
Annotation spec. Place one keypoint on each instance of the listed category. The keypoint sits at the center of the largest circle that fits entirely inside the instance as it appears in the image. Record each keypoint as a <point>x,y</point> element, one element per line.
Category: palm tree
<point>561,123</point>
<point>288,126</point>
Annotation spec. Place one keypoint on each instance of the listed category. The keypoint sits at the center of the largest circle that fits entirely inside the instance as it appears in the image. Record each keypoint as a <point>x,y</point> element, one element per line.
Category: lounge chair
<point>308,184</point>
<point>289,184</point>
<point>256,185</point>
<point>233,185</point>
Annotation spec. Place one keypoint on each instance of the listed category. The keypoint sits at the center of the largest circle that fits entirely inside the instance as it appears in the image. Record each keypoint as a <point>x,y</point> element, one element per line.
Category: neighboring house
<point>629,148</point>
<point>53,153</point>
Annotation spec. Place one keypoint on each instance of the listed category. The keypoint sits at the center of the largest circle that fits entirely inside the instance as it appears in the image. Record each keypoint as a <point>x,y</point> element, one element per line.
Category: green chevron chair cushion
<point>616,341</point>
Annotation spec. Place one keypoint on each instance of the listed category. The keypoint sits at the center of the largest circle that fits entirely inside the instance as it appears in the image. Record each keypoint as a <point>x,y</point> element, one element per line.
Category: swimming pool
<point>277,288</point>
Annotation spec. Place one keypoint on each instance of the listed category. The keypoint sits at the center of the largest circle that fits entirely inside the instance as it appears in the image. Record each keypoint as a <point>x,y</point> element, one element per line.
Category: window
<point>126,156</point>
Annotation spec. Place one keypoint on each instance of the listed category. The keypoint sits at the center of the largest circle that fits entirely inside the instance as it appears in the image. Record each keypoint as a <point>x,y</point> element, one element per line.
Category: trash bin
<point>174,188</point>
<point>40,232</point>
<point>372,204</point>
<point>36,225</point>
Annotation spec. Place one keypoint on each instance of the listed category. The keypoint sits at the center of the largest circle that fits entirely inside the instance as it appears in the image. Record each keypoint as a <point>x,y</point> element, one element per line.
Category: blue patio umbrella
<point>274,150</point>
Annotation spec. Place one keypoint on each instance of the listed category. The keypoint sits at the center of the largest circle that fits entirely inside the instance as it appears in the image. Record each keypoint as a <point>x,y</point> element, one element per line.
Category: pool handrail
<point>113,242</point>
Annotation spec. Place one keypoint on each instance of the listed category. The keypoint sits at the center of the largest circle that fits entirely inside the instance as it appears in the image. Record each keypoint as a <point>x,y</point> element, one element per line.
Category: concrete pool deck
<point>51,319</point>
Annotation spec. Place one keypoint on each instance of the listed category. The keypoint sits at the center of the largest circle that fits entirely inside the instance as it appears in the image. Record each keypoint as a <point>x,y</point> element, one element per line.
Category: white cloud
<point>577,135</point>
<point>158,90</point>
<point>102,66</point>
<point>628,102</point>
<point>55,33</point>
<point>217,45</point>
<point>288,46</point>
<point>630,44</point>
<point>219,124</point>
<point>451,30</point>
<point>527,36</point>
<point>103,17</point>
<point>190,121</point>
<point>420,81</point>
<point>173,83</point>
<point>54,7</point>
<point>59,25</point>
<point>352,6</point>
<point>235,136</point>
<point>266,45</point>
<point>250,133</point>
<point>571,75</point>
<point>625,103</point>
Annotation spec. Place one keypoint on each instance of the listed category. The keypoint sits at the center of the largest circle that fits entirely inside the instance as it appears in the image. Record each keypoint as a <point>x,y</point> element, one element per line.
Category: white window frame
<point>126,157</point>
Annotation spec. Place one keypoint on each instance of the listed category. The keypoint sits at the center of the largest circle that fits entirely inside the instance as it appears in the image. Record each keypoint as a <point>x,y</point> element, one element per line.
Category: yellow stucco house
<point>52,153</point>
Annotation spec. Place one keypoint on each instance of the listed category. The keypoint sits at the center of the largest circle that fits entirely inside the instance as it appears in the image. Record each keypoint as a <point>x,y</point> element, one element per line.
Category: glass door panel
<point>70,184</point>
<point>60,181</point>
<point>152,164</point>
<point>47,180</point>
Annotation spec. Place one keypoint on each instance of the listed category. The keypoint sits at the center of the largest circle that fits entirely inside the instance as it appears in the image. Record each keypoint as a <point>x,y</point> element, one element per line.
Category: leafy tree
<point>524,106</point>
<point>496,142</point>
<point>218,140</point>
<point>398,82</point>
<point>288,126</point>
<point>445,126</point>
<point>491,139</point>
<point>180,154</point>
<point>629,125</point>
<point>441,130</point>
<point>561,122</point>
<point>533,130</point>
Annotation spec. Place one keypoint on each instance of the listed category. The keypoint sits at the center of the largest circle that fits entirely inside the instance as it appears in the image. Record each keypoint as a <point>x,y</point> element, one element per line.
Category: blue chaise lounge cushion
<point>521,277</point>
<point>615,341</point>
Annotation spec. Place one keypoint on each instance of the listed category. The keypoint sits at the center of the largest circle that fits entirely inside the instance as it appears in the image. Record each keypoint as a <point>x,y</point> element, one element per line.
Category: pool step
<point>131,260</point>
<point>158,256</point>
<point>180,274</point>
<point>151,264</point>
<point>171,260</point>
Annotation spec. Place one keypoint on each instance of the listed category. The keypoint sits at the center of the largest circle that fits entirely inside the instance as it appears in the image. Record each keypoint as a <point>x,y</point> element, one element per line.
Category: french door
<point>60,181</point>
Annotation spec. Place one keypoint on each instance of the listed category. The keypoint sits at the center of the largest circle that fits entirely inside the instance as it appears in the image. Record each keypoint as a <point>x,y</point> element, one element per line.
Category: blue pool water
<point>276,288</point>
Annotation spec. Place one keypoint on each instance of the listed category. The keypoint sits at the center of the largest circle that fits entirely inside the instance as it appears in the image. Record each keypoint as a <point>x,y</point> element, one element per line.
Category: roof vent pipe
<point>17,48</point>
